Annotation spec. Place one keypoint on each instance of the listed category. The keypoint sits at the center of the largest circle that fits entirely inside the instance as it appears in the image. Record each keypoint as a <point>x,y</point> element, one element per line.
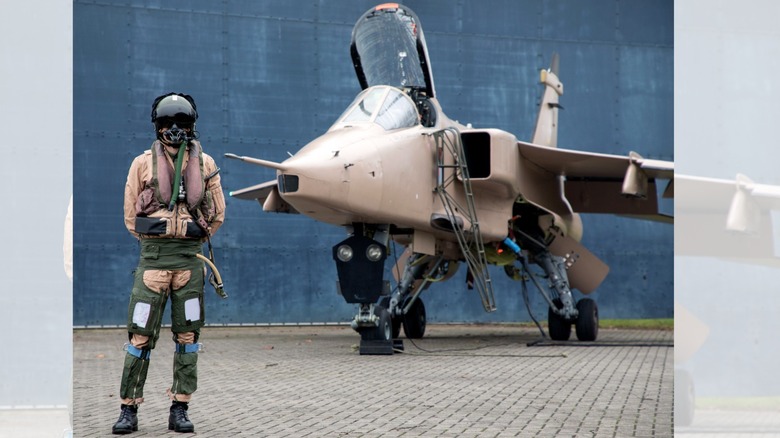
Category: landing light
<point>344,253</point>
<point>374,252</point>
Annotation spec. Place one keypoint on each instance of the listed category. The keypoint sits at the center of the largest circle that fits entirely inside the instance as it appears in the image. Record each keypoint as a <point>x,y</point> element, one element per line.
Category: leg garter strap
<point>186,348</point>
<point>141,354</point>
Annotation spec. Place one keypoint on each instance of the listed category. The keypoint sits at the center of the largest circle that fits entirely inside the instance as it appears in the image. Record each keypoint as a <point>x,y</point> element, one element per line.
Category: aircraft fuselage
<point>362,173</point>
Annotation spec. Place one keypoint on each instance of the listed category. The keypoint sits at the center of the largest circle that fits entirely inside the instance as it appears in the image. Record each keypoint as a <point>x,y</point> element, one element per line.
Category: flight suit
<point>170,235</point>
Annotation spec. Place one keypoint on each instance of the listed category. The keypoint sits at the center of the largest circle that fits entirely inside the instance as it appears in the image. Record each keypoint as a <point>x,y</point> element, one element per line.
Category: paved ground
<point>462,381</point>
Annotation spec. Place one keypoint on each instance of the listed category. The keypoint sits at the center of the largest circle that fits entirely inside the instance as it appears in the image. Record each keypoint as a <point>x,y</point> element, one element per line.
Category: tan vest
<point>188,219</point>
<point>194,184</point>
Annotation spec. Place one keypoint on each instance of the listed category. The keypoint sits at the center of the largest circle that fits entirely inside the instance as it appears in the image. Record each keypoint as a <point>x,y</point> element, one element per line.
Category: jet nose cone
<point>335,178</point>
<point>312,182</point>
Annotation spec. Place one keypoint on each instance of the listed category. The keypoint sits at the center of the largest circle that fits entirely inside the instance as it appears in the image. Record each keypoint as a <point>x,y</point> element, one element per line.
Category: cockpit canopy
<point>388,107</point>
<point>388,48</point>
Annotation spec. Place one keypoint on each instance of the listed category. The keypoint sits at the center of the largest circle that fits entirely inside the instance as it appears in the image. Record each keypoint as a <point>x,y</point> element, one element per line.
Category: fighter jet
<point>394,167</point>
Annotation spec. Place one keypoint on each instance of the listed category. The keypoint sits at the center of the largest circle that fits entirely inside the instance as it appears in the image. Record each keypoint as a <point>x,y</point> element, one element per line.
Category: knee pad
<point>145,309</point>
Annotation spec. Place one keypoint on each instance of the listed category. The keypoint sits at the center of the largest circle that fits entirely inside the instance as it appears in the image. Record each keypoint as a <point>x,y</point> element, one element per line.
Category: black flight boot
<point>127,422</point>
<point>178,420</point>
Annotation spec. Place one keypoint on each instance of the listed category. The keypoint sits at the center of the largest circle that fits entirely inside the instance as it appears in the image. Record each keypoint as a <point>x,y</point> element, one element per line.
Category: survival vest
<point>162,180</point>
<point>152,215</point>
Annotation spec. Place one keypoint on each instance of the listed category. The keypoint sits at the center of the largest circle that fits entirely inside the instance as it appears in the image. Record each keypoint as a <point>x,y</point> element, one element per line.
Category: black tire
<point>414,320</point>
<point>588,320</point>
<point>384,331</point>
<point>396,321</point>
<point>684,398</point>
<point>558,326</point>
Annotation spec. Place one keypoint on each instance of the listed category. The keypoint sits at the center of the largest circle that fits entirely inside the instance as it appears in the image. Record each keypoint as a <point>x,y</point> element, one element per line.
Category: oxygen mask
<point>175,135</point>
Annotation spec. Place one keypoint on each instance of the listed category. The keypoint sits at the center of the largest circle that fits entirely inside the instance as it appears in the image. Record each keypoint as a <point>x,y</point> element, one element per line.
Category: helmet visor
<point>185,123</point>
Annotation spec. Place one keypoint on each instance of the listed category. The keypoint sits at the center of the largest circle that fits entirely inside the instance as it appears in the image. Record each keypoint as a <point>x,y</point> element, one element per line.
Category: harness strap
<point>186,348</point>
<point>177,177</point>
<point>141,354</point>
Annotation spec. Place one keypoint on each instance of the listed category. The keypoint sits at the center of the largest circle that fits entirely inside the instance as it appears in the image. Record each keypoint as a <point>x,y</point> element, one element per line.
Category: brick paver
<point>462,381</point>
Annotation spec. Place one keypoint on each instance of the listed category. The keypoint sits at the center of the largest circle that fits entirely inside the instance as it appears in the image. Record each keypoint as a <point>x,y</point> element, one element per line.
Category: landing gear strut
<point>360,265</point>
<point>562,312</point>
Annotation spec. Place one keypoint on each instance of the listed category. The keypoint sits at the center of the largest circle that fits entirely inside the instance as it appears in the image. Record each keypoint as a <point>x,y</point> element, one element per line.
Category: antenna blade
<point>555,64</point>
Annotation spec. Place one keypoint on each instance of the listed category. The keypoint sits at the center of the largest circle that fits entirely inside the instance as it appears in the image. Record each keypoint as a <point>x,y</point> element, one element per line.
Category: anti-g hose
<point>218,283</point>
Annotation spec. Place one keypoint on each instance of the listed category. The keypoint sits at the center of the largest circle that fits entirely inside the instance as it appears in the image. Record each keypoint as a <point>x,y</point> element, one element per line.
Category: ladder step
<point>477,260</point>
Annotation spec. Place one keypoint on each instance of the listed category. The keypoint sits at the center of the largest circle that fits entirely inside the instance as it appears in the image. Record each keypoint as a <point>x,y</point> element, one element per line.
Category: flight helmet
<point>175,114</point>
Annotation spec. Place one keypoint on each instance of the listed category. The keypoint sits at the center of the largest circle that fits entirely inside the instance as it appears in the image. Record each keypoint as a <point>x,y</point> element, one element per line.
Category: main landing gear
<point>586,322</point>
<point>563,313</point>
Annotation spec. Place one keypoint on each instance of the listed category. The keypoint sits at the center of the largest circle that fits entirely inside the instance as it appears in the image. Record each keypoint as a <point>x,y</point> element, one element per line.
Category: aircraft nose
<point>312,182</point>
<point>329,177</point>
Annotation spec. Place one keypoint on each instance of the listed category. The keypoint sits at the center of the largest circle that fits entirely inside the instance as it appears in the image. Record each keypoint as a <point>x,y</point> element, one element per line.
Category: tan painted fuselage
<point>361,173</point>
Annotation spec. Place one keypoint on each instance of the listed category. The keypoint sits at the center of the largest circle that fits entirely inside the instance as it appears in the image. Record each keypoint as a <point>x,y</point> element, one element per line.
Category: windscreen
<point>388,107</point>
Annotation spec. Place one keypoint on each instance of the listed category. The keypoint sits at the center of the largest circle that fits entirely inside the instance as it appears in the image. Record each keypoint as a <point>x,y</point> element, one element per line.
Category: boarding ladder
<point>448,142</point>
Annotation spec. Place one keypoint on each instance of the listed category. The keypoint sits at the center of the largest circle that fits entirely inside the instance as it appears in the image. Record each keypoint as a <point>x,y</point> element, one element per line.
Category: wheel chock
<point>376,347</point>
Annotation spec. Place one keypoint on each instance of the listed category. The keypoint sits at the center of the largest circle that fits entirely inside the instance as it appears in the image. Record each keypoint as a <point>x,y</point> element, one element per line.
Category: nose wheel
<point>384,329</point>
<point>376,333</point>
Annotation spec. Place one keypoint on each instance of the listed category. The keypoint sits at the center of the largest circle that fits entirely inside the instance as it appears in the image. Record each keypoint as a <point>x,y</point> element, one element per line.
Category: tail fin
<point>546,131</point>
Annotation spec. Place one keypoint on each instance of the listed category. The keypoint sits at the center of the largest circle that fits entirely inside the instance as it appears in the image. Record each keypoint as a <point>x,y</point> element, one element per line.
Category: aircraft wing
<point>727,219</point>
<point>259,191</point>
<point>267,194</point>
<point>596,183</point>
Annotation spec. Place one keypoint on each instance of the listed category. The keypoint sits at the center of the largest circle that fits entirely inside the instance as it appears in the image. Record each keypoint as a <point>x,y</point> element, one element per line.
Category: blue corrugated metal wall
<point>270,76</point>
